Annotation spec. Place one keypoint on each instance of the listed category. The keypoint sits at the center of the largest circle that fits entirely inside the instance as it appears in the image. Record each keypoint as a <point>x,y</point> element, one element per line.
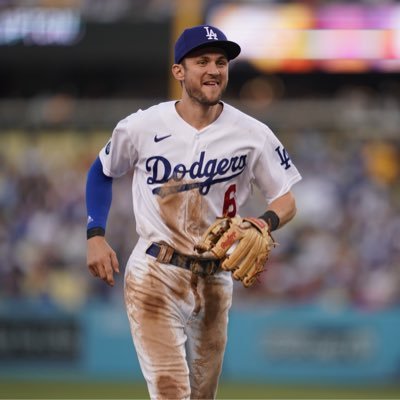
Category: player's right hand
<point>101,259</point>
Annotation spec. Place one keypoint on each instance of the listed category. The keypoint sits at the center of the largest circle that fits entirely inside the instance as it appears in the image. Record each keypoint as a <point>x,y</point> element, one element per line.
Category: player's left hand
<point>248,239</point>
<point>101,259</point>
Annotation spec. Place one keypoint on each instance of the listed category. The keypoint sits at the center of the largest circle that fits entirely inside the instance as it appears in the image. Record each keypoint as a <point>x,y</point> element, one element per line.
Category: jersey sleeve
<point>274,171</point>
<point>119,155</point>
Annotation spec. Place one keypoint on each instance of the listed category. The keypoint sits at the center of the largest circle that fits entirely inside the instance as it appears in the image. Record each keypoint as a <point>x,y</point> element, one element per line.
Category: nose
<point>213,69</point>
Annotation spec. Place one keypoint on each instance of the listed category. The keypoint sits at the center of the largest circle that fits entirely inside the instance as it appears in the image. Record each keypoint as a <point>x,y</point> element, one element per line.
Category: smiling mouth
<point>211,83</point>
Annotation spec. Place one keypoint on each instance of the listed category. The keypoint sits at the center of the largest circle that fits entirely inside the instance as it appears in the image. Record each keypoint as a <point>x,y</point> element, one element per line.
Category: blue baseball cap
<point>204,36</point>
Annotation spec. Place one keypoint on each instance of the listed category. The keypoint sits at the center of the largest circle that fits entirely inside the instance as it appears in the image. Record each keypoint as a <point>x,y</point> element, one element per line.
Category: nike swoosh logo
<point>158,139</point>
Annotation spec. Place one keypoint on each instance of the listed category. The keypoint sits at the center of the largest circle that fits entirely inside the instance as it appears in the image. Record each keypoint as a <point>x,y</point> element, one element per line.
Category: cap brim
<point>231,49</point>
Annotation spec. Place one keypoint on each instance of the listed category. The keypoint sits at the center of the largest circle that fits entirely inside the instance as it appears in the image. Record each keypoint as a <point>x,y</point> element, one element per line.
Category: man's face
<point>205,75</point>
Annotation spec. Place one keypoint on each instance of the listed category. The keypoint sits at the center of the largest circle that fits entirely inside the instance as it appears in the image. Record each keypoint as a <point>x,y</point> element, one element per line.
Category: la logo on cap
<point>211,35</point>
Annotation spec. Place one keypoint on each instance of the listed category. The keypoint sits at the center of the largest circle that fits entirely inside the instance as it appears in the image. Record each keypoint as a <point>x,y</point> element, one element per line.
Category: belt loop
<point>165,254</point>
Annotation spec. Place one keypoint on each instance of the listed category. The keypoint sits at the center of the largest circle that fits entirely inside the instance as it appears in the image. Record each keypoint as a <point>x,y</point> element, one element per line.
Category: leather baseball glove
<point>243,244</point>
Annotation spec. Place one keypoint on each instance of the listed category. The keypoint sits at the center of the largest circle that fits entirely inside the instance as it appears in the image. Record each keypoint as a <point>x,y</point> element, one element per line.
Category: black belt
<point>166,254</point>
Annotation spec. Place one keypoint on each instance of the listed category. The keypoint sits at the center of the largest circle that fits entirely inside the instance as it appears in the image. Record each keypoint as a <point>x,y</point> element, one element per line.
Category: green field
<point>124,390</point>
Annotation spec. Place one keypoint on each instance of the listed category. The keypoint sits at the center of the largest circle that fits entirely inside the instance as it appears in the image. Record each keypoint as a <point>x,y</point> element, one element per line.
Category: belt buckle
<point>198,269</point>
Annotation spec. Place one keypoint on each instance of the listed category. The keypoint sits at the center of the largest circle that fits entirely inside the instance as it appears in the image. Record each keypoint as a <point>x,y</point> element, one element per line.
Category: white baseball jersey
<point>183,178</point>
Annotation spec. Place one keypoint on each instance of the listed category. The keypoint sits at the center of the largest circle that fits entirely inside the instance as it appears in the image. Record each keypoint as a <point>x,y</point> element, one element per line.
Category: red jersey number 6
<point>229,209</point>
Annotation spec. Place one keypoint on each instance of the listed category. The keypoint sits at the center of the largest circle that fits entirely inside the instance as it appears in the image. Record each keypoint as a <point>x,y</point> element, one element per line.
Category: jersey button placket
<point>196,154</point>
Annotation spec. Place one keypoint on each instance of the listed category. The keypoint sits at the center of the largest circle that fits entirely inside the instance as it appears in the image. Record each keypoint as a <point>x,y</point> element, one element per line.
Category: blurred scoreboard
<point>51,37</point>
<point>288,37</point>
<point>40,26</point>
<point>296,37</point>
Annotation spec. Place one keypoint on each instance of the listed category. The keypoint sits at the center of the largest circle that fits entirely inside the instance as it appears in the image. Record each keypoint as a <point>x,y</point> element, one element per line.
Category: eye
<point>222,62</point>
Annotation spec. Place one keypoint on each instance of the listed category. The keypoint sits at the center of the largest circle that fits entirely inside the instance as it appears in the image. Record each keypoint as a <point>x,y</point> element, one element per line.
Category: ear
<point>178,72</point>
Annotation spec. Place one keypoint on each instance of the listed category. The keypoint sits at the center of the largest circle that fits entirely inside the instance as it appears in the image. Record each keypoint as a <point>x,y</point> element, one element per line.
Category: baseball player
<point>194,162</point>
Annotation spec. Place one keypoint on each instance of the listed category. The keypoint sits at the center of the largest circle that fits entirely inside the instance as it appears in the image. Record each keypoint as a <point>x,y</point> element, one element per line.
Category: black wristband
<point>97,231</point>
<point>271,218</point>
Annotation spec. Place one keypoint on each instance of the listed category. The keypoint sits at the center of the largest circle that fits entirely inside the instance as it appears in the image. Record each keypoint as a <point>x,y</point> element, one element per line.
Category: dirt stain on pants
<point>179,339</point>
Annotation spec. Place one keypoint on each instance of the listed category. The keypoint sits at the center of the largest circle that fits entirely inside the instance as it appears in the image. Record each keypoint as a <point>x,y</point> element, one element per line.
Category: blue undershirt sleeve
<point>98,198</point>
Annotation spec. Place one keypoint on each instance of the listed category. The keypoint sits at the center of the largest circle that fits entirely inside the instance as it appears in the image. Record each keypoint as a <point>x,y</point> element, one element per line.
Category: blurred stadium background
<point>324,75</point>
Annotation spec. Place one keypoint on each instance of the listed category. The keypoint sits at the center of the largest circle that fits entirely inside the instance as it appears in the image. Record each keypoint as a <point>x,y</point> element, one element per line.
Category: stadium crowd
<point>342,248</point>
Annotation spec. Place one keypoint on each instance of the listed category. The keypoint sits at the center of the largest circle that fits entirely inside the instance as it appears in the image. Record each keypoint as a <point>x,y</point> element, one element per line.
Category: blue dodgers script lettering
<point>210,172</point>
